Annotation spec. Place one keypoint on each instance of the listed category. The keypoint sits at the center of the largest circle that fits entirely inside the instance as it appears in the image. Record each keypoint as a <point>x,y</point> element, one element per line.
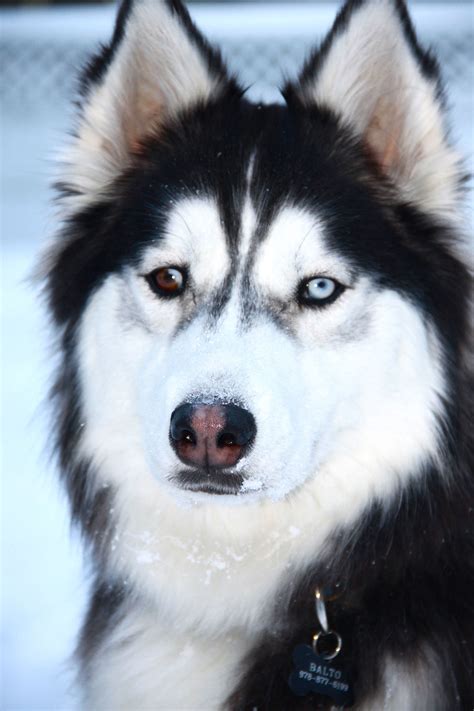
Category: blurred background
<point>43,579</point>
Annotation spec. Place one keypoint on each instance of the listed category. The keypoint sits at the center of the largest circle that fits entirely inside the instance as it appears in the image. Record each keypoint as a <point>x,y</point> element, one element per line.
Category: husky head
<point>260,305</point>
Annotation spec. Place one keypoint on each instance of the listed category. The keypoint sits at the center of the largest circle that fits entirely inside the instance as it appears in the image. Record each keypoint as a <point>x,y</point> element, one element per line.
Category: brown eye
<point>167,281</point>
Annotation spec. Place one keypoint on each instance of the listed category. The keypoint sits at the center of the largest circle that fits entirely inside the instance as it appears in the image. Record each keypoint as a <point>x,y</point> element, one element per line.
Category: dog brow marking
<point>248,219</point>
<point>255,233</point>
<point>234,283</point>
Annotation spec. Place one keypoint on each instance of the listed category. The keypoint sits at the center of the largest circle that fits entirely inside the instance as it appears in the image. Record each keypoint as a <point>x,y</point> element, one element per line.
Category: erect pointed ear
<point>156,66</point>
<point>373,74</point>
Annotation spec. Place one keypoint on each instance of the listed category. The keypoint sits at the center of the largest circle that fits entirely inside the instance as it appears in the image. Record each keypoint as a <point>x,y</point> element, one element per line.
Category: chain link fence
<point>42,50</point>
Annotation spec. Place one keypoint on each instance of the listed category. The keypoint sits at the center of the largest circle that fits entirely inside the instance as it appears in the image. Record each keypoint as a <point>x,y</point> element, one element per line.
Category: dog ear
<point>373,74</point>
<point>156,66</point>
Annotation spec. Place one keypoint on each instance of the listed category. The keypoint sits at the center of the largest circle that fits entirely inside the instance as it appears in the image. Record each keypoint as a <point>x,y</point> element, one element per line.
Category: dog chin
<point>199,485</point>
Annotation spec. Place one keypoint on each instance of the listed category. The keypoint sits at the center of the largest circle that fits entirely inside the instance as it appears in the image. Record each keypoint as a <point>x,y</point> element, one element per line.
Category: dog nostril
<point>181,430</point>
<point>226,439</point>
<point>188,436</point>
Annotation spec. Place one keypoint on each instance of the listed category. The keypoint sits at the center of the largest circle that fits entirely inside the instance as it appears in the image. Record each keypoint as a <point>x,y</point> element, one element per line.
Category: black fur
<point>403,580</point>
<point>405,574</point>
<point>107,606</point>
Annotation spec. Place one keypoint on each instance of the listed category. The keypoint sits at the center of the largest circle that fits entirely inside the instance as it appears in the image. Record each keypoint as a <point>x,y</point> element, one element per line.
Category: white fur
<point>146,665</point>
<point>156,72</point>
<point>333,433</point>
<point>371,79</point>
<point>193,234</point>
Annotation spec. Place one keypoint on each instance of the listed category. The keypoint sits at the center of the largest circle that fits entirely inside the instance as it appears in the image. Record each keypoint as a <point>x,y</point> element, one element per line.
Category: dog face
<point>246,286</point>
<point>309,345</point>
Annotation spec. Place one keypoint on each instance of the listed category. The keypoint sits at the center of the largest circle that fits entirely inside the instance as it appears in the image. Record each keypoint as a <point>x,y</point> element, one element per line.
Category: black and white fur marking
<point>360,475</point>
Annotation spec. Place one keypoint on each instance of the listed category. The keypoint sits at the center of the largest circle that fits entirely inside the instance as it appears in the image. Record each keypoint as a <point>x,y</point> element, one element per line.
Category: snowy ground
<point>43,588</point>
<point>44,585</point>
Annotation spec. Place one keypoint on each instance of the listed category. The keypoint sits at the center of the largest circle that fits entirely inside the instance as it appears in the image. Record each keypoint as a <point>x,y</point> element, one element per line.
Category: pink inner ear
<point>145,116</point>
<point>383,136</point>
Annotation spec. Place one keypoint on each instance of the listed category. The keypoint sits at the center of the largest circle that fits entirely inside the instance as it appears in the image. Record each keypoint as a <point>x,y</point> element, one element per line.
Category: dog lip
<point>209,481</point>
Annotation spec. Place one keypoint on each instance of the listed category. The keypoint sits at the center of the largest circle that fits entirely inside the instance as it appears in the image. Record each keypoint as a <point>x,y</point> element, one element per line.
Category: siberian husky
<point>261,407</point>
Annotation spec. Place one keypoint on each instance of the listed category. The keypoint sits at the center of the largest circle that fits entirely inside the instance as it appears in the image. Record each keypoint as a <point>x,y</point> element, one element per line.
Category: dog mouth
<point>210,481</point>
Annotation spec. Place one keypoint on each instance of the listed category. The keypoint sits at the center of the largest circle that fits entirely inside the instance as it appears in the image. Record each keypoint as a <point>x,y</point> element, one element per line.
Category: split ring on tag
<point>327,644</point>
<point>321,613</point>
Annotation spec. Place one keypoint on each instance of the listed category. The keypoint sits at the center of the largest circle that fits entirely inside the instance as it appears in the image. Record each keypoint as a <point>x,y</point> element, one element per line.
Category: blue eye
<point>319,291</point>
<point>320,288</point>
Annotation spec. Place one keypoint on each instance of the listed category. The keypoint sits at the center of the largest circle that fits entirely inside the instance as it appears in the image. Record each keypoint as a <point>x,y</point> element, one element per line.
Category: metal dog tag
<point>316,671</point>
<point>317,675</point>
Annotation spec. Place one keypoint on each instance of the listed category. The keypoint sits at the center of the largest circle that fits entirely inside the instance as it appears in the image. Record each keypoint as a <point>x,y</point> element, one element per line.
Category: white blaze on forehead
<point>293,249</point>
<point>247,229</point>
<point>249,218</point>
<point>194,236</point>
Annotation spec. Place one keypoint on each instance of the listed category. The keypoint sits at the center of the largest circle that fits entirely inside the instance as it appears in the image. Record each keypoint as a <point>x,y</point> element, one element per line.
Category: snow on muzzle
<point>221,411</point>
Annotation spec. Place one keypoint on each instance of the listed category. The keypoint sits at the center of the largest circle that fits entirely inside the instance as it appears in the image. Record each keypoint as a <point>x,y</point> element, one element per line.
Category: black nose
<point>211,436</point>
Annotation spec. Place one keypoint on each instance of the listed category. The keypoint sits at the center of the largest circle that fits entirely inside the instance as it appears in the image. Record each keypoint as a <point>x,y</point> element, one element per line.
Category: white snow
<point>43,581</point>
